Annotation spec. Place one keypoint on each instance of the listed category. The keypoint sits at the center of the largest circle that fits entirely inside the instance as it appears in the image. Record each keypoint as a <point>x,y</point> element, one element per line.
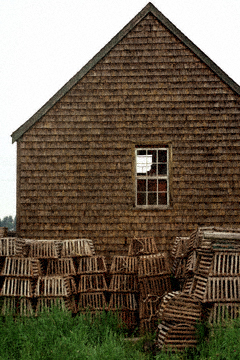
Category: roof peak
<point>149,8</point>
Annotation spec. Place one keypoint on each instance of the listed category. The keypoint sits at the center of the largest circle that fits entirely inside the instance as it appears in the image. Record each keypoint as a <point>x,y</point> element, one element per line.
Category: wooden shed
<point>143,141</point>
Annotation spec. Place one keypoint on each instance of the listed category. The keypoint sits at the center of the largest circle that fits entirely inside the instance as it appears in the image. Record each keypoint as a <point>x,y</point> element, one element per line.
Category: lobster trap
<point>176,336</point>
<point>61,267</point>
<point>55,286</point>
<point>21,267</point>
<point>153,265</point>
<point>123,283</point>
<point>92,283</point>
<point>15,286</point>
<point>44,249</point>
<point>142,246</point>
<point>95,301</point>
<point>11,246</point>
<point>93,264</point>
<point>77,248</point>
<point>124,265</point>
<point>154,285</point>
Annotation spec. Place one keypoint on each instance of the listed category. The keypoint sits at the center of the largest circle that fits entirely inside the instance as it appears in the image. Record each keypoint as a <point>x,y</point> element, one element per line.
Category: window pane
<point>153,170</point>
<point>141,198</point>
<point>144,163</point>
<point>141,185</point>
<point>152,198</point>
<point>152,185</point>
<point>162,156</point>
<point>162,185</point>
<point>162,169</point>
<point>141,152</point>
<point>162,199</point>
<point>153,153</point>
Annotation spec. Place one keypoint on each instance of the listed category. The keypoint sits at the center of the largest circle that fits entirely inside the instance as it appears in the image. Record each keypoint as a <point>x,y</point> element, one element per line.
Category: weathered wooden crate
<point>25,307</point>
<point>199,287</point>
<point>9,305</point>
<point>148,325</point>
<point>165,299</point>
<point>92,283</point>
<point>16,286</point>
<point>180,247</point>
<point>124,264</point>
<point>177,336</point>
<point>55,286</point>
<point>149,307</point>
<point>45,303</point>
<point>182,308</point>
<point>222,289</point>
<point>77,248</point>
<point>123,283</point>
<point>204,262</point>
<point>191,263</point>
<point>142,246</point>
<point>188,285</point>
<point>11,246</point>
<point>92,301</point>
<point>44,249</point>
<point>179,268</point>
<point>221,312</point>
<point>154,285</point>
<point>123,301</point>
<point>21,267</point>
<point>154,265</point>
<point>64,267</point>
<point>225,264</point>
<point>91,265</point>
<point>127,317</point>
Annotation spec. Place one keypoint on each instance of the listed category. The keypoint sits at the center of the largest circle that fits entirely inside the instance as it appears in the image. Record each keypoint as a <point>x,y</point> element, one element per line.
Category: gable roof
<point>149,8</point>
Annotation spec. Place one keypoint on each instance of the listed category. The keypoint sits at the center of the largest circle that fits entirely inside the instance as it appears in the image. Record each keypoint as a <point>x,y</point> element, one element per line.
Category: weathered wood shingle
<point>76,164</point>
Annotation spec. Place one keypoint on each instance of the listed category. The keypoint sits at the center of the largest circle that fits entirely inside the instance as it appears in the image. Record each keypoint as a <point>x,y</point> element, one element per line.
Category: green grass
<point>57,335</point>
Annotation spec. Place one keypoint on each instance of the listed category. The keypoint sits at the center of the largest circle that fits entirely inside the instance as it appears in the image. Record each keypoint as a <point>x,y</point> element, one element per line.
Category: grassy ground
<point>58,335</point>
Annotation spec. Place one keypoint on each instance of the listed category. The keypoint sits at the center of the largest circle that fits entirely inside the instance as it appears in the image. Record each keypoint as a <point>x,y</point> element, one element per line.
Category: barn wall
<point>76,165</point>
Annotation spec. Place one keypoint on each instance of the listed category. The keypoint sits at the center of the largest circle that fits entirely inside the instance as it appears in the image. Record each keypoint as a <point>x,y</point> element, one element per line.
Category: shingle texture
<point>76,164</point>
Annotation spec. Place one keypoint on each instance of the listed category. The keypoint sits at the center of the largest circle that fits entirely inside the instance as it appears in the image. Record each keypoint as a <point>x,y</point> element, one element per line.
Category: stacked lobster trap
<point>123,289</point>
<point>92,286</point>
<point>179,314</point>
<point>212,271</point>
<point>35,274</point>
<point>18,277</point>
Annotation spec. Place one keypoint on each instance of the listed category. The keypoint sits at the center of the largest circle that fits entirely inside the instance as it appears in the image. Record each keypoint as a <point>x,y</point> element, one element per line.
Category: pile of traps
<point>35,274</point>
<point>209,261</point>
<point>138,283</point>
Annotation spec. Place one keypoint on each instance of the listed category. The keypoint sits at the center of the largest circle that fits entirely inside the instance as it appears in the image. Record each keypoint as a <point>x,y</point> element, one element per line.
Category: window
<point>152,176</point>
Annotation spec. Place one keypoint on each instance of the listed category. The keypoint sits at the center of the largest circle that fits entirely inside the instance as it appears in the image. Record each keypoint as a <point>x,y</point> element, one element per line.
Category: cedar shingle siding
<point>76,164</point>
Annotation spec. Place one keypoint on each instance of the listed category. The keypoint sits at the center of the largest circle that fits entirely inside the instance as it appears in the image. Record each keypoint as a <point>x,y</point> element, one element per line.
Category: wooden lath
<point>11,246</point>
<point>25,307</point>
<point>204,262</point>
<point>63,303</point>
<point>177,337</point>
<point>182,308</point>
<point>226,263</point>
<point>21,267</point>
<point>221,312</point>
<point>77,248</point>
<point>15,286</point>
<point>91,283</point>
<point>148,307</point>
<point>93,264</point>
<point>199,287</point>
<point>54,286</point>
<point>154,265</point>
<point>9,305</point>
<point>154,285</point>
<point>122,301</point>
<point>64,267</point>
<point>222,289</point>
<point>142,246</point>
<point>124,264</point>
<point>92,301</point>
<point>44,249</point>
<point>123,283</point>
<point>180,247</point>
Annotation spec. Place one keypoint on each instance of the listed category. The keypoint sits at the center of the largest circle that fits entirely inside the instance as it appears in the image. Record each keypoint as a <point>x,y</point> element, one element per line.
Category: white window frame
<point>152,177</point>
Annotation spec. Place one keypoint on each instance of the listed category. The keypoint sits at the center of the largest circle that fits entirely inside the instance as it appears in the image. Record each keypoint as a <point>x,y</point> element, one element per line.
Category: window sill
<point>153,207</point>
